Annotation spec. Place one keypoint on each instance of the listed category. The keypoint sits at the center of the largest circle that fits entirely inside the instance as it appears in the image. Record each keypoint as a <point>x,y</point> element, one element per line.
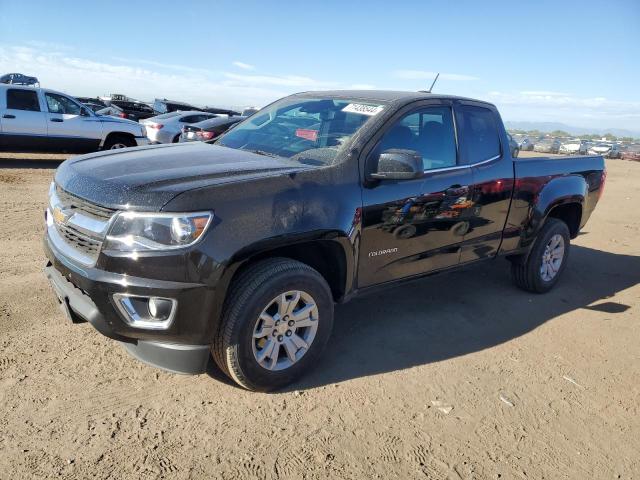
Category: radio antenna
<point>434,82</point>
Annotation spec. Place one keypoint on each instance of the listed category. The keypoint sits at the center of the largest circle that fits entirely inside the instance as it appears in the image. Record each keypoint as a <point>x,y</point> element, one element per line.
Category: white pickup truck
<point>42,119</point>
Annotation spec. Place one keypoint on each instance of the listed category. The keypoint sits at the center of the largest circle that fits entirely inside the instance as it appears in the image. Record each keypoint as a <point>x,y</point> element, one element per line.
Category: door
<point>68,128</point>
<point>411,227</point>
<point>23,121</point>
<point>492,170</point>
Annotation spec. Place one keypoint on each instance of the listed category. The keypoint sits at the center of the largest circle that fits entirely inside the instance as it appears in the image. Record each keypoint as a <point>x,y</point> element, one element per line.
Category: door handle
<point>8,116</point>
<point>57,120</point>
<point>457,190</point>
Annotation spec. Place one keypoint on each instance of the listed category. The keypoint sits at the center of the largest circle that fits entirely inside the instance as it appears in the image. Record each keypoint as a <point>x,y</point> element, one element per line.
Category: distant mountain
<point>551,126</point>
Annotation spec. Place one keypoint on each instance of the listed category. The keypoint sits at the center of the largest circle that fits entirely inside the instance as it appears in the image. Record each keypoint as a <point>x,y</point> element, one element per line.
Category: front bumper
<point>86,294</point>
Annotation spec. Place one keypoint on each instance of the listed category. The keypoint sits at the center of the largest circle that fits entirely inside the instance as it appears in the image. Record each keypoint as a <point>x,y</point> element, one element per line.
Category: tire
<point>114,142</point>
<point>528,274</point>
<point>176,139</point>
<point>235,349</point>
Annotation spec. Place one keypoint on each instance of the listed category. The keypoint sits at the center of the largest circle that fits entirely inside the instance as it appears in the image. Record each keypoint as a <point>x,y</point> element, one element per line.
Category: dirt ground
<point>456,376</point>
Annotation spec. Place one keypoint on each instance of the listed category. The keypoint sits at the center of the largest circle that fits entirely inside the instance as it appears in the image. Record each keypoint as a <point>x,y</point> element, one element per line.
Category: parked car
<point>166,106</point>
<point>240,249</point>
<point>247,112</point>
<point>94,107</point>
<point>167,128</point>
<point>513,146</point>
<point>91,100</point>
<point>208,130</point>
<point>130,110</point>
<point>573,147</point>
<point>547,146</point>
<point>134,110</point>
<point>525,144</point>
<point>220,111</point>
<point>632,153</point>
<point>19,79</point>
<point>607,150</point>
<point>42,119</point>
<point>113,111</point>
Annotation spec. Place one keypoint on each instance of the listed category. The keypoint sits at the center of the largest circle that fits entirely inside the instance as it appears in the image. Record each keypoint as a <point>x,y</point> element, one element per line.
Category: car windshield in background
<point>309,130</point>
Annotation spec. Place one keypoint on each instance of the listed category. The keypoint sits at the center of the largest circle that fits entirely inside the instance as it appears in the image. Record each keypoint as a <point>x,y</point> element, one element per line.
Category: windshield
<point>309,130</point>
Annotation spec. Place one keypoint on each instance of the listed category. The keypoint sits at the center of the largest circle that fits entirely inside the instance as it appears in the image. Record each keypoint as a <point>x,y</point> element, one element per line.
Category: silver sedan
<point>166,128</point>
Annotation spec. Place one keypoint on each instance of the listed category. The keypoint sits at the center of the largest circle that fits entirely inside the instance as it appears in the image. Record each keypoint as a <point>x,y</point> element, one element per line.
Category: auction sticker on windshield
<point>311,135</point>
<point>363,109</point>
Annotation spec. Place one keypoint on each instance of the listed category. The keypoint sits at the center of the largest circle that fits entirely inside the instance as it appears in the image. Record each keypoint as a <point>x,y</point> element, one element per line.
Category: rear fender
<point>570,189</point>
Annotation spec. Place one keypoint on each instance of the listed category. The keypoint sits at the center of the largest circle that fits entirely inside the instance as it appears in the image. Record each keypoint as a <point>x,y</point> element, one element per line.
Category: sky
<point>576,62</point>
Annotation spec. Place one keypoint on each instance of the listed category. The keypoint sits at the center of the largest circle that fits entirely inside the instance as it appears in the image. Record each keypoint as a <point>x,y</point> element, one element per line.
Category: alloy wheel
<point>285,329</point>
<point>552,258</point>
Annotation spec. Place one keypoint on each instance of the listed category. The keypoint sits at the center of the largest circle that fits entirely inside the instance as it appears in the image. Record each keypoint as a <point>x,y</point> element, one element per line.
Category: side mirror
<point>398,164</point>
<point>84,112</point>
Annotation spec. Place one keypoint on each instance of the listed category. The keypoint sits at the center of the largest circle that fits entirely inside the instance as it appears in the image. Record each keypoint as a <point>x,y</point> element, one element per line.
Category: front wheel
<point>115,142</point>
<point>276,321</point>
<point>547,259</point>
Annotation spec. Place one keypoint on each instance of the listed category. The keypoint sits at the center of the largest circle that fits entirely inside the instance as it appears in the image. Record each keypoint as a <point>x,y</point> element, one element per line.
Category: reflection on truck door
<point>416,226</point>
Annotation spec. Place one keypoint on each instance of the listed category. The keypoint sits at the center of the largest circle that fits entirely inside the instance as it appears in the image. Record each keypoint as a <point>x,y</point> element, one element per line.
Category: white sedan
<point>167,127</point>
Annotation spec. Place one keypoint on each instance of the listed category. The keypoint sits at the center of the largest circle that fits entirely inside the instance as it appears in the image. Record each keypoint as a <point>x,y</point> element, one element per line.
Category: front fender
<point>283,246</point>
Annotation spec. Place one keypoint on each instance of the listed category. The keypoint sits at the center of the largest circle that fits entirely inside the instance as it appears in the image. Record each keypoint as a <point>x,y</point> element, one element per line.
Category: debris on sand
<point>571,380</point>
<point>443,407</point>
<point>507,400</point>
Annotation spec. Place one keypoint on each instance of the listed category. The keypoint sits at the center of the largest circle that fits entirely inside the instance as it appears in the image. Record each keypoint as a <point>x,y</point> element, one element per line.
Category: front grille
<point>79,241</point>
<point>83,227</point>
<point>75,203</point>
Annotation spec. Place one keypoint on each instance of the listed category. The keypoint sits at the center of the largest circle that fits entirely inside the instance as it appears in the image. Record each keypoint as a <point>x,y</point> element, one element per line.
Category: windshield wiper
<point>262,152</point>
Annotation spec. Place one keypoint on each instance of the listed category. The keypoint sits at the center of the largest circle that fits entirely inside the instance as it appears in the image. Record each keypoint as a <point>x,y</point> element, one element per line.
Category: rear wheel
<point>276,321</point>
<point>547,259</point>
<point>115,142</point>
<point>176,139</point>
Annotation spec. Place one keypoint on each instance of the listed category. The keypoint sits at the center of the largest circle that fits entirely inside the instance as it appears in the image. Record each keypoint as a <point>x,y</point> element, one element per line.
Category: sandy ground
<point>457,376</point>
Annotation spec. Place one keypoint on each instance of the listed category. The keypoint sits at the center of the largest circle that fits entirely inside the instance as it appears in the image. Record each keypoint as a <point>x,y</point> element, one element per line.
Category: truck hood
<point>146,178</point>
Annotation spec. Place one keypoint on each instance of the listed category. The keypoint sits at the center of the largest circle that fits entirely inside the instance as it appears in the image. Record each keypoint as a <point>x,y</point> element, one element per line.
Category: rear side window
<point>18,99</point>
<point>481,140</point>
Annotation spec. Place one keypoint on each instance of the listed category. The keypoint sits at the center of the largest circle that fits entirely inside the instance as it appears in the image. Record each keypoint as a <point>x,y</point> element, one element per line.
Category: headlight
<point>138,232</point>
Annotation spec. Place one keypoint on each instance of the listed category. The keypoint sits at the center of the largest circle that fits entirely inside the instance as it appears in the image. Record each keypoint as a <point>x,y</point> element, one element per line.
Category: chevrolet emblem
<point>58,215</point>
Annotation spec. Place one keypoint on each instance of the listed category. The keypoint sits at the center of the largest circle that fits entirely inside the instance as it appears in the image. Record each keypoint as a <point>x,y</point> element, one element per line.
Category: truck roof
<point>386,96</point>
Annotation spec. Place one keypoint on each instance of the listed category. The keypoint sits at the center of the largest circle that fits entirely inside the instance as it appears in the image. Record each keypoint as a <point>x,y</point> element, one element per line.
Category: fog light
<point>151,313</point>
<point>160,308</point>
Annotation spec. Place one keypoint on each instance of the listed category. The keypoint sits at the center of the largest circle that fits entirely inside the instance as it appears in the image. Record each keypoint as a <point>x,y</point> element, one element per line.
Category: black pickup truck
<point>240,249</point>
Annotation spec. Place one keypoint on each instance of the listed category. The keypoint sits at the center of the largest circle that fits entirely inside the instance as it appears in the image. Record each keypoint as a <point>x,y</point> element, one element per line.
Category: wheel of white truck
<point>275,324</point>
<point>115,142</point>
<point>547,259</point>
